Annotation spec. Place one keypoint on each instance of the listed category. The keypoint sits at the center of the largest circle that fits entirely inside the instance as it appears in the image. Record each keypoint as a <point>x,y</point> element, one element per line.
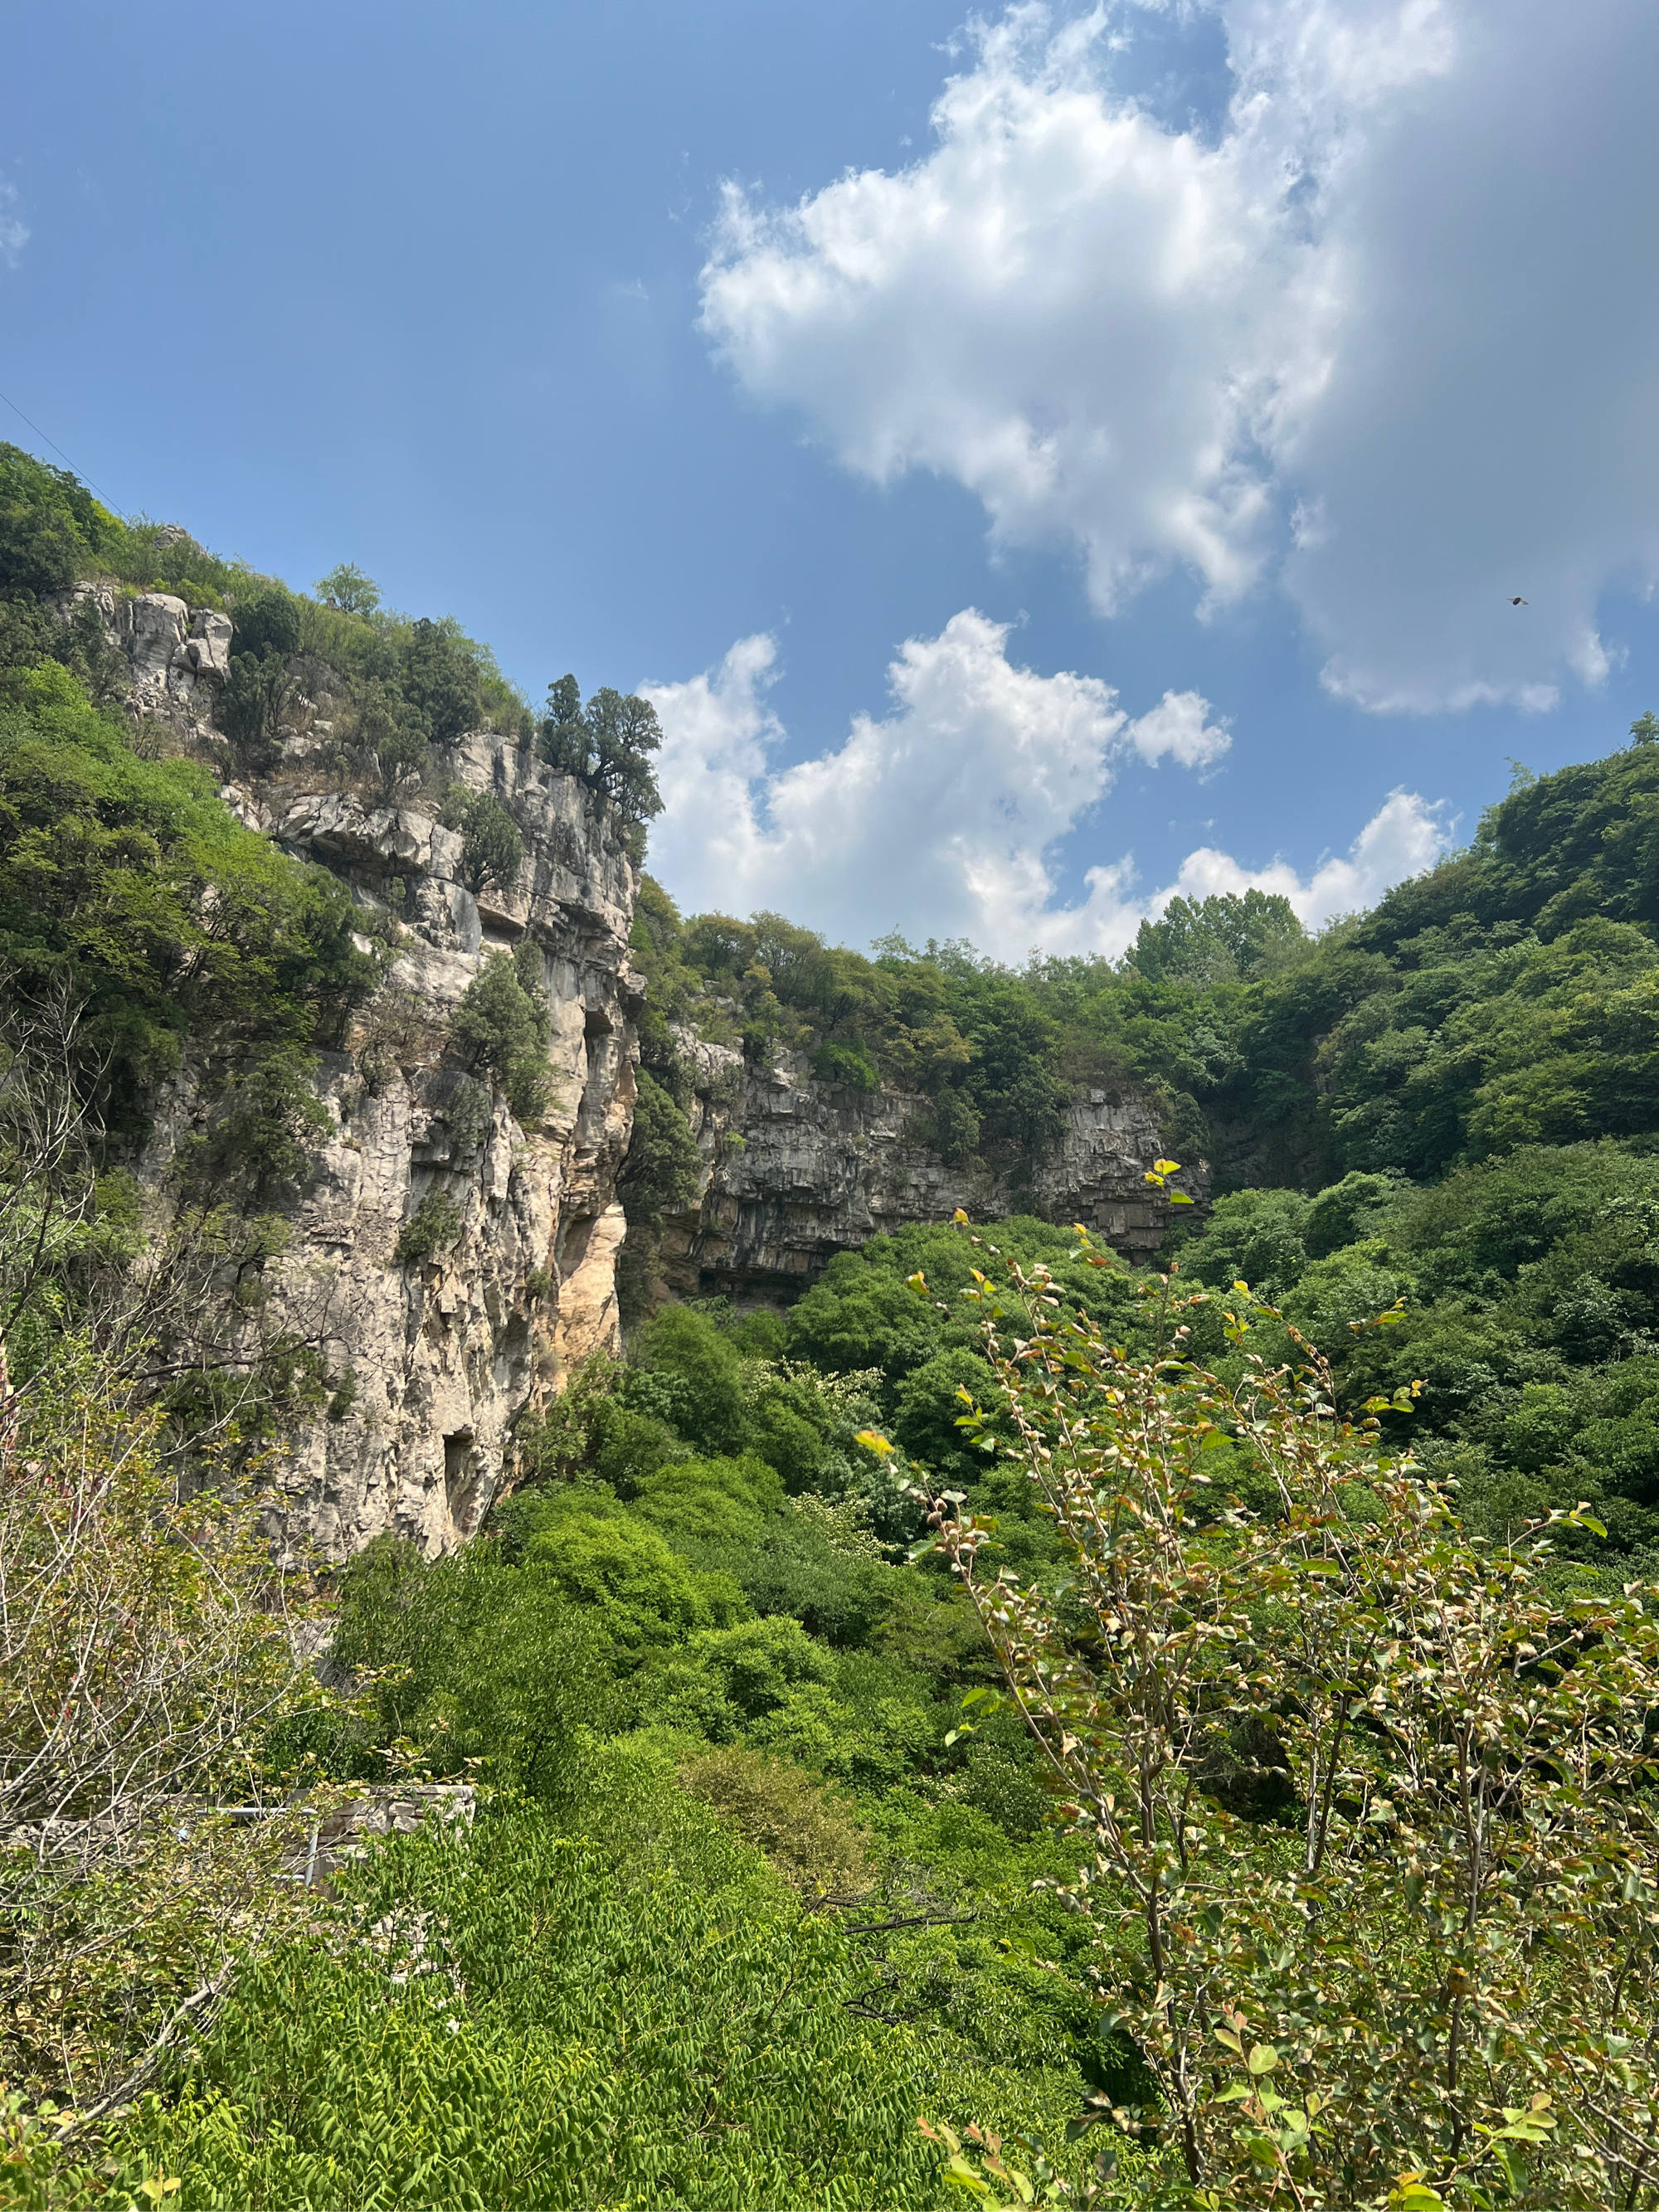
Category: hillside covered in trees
<point>1010,1728</point>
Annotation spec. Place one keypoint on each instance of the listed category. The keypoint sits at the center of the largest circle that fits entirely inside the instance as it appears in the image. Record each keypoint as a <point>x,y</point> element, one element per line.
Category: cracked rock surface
<point>429,1361</point>
<point>821,1167</point>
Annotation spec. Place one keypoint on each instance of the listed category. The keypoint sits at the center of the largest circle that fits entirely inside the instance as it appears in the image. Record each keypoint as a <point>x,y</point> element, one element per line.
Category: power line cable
<point>56,449</point>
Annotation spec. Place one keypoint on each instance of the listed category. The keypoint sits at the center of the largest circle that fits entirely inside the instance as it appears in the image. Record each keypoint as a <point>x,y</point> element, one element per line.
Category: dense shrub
<point>432,1227</point>
<point>492,848</point>
<point>503,1024</point>
<point>554,2052</point>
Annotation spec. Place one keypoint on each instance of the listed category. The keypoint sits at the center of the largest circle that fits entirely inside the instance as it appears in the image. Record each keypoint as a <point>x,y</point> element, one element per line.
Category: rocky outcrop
<point>431,1359</point>
<point>796,1170</point>
<point>450,1349</point>
<point>433,1355</point>
<point>178,659</point>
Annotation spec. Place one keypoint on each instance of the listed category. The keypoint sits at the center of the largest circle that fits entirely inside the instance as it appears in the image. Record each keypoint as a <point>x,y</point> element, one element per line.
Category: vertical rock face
<point>818,1168</point>
<point>431,1358</point>
<point>450,1348</point>
<point>431,1355</point>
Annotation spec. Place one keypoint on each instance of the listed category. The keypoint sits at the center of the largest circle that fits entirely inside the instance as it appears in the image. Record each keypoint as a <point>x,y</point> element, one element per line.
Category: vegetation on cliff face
<point>164,939</point>
<point>127,887</point>
<point>370,691</point>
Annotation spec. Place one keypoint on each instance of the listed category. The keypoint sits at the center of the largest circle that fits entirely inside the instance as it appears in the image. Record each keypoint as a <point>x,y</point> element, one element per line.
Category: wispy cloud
<point>13,231</point>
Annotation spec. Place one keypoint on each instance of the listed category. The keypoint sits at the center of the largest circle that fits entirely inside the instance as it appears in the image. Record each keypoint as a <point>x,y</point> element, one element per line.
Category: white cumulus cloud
<point>1386,338</point>
<point>943,818</point>
<point>1402,838</point>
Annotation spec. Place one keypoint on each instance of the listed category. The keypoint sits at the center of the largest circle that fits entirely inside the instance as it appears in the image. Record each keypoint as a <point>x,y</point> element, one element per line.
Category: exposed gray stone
<point>449,1349</point>
<point>821,1167</point>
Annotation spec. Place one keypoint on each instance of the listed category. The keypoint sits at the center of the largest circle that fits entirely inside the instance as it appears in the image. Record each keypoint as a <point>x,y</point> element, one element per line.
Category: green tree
<point>608,744</point>
<point>492,845</point>
<point>390,737</point>
<point>475,1662</point>
<point>503,1024</point>
<point>52,528</point>
<point>442,678</point>
<point>268,1125</point>
<point>349,589</point>
<point>432,1227</point>
<point>663,1170</point>
<point>1374,1999</point>
<point>256,696</point>
<point>689,1374</point>
<point>1204,941</point>
<point>266,621</point>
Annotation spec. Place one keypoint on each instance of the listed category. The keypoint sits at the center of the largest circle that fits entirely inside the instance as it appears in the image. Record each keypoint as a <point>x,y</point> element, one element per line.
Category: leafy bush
<point>387,734</point>
<point>711,1510</point>
<point>268,1126</point>
<point>129,883</point>
<point>433,1227</point>
<point>503,1024</point>
<point>145,1668</point>
<point>52,528</point>
<point>662,1174</point>
<point>478,1667</point>
<point>640,1590</point>
<point>1495,1795</point>
<point>442,678</point>
<point>808,1835</point>
<point>256,697</point>
<point>554,2052</point>
<point>492,848</point>
<point>689,1372</point>
<point>266,625</point>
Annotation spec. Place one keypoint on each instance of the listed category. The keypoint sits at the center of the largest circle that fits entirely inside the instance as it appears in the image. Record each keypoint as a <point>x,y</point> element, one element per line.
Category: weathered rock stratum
<point>443,1353</point>
<point>818,1168</point>
<point>432,1361</point>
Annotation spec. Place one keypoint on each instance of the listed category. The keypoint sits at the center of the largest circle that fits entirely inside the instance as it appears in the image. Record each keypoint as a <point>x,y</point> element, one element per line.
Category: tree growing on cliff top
<point>347,588</point>
<point>608,744</point>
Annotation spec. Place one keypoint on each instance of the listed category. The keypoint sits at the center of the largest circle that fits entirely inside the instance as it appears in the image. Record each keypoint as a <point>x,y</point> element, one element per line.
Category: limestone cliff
<point>796,1170</point>
<point>445,1352</point>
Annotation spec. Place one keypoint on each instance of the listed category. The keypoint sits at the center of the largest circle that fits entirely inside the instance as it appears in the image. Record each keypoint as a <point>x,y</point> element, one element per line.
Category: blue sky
<point>1251,353</point>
